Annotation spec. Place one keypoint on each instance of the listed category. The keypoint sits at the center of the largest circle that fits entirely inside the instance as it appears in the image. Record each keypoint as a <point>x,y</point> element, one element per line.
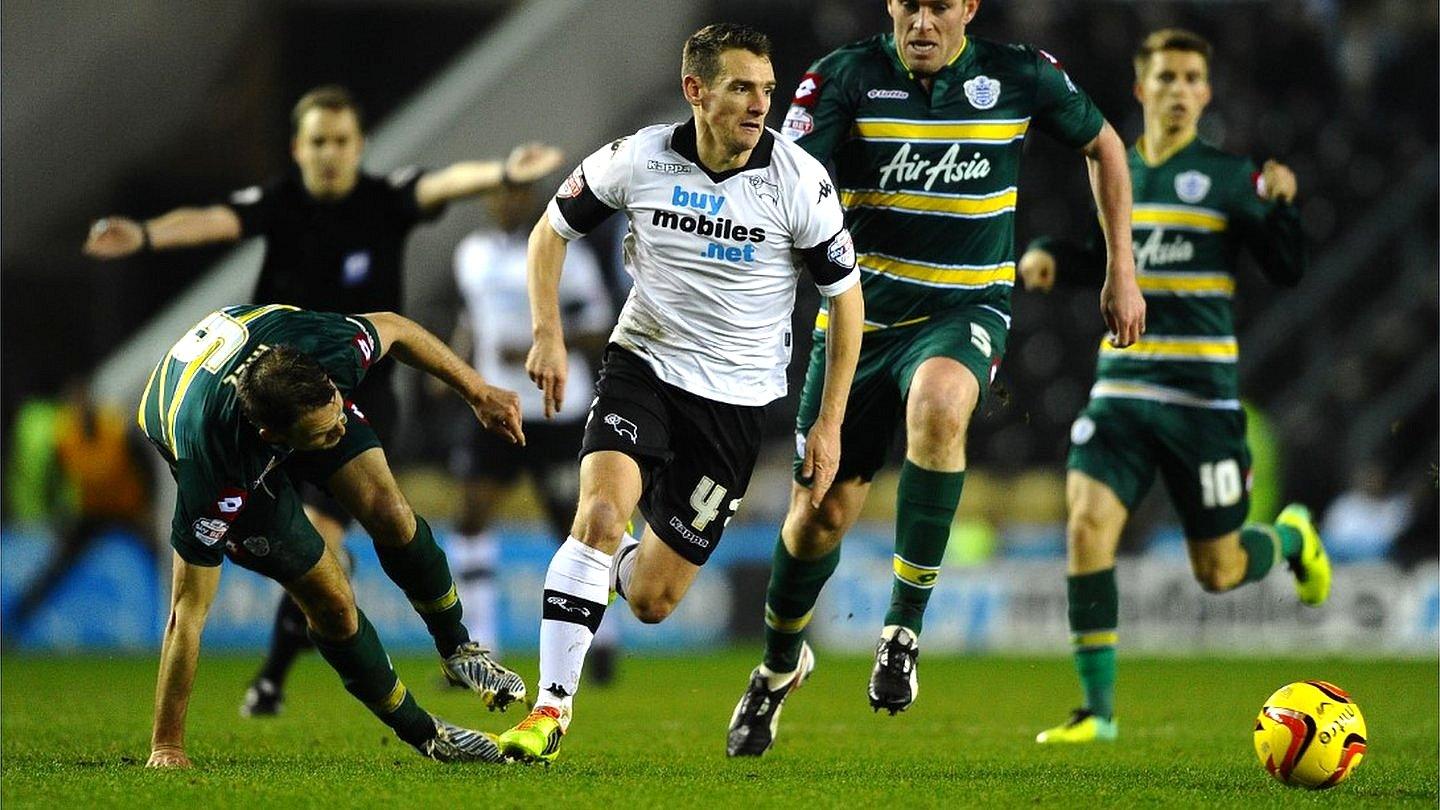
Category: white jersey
<point>714,257</point>
<point>490,271</point>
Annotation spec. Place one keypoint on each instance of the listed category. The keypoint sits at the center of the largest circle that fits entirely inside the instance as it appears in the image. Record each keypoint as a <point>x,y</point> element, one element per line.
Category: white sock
<point>577,586</point>
<point>623,567</point>
<point>475,559</point>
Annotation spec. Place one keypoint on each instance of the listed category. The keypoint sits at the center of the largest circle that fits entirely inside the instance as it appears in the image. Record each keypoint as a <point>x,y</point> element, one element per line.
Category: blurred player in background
<point>723,215</point>
<point>1170,403</point>
<point>249,403</point>
<point>102,485</point>
<point>334,242</point>
<point>925,127</point>
<point>494,329</point>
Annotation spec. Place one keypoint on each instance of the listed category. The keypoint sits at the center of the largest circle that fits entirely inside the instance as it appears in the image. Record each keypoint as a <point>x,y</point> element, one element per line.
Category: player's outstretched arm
<point>192,590</point>
<point>547,364</point>
<point>117,237</point>
<point>1121,303</point>
<point>526,164</point>
<point>842,350</point>
<point>498,409</point>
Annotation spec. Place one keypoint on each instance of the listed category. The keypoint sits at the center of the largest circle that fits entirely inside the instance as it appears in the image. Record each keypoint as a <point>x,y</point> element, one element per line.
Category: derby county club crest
<point>983,92</point>
<point>1192,186</point>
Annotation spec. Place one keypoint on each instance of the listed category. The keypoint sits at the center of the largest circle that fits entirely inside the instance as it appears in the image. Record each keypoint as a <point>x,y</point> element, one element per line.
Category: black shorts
<point>696,454</point>
<point>376,400</point>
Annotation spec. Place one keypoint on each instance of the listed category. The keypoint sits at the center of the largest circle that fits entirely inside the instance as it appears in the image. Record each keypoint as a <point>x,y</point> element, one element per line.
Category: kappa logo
<point>573,185</point>
<point>895,94</point>
<point>825,189</point>
<point>210,530</point>
<point>259,546</point>
<point>1192,186</point>
<point>983,92</point>
<point>690,537</point>
<point>564,604</point>
<point>667,168</point>
<point>623,426</point>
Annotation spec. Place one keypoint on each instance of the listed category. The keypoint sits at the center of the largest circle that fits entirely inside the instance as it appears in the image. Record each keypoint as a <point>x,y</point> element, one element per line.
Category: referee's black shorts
<point>696,454</point>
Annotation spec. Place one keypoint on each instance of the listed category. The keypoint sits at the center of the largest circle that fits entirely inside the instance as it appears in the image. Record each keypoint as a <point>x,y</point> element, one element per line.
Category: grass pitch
<point>76,732</point>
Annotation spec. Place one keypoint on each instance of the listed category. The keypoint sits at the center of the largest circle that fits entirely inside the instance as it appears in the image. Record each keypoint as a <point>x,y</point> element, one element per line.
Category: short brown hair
<point>703,48</point>
<point>1170,39</point>
<point>282,385</point>
<point>326,97</point>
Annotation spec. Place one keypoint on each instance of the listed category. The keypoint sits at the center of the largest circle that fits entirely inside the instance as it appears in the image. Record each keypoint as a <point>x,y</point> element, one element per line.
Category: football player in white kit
<point>490,276</point>
<point>723,215</point>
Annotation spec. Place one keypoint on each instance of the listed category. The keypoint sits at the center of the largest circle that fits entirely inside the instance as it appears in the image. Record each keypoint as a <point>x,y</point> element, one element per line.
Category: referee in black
<point>334,242</point>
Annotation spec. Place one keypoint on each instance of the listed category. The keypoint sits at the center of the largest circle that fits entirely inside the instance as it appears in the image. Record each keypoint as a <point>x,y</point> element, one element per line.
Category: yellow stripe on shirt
<point>822,322</point>
<point>939,275</point>
<point>1209,284</point>
<point>1185,217</point>
<point>898,129</point>
<point>1160,347</point>
<point>918,202</point>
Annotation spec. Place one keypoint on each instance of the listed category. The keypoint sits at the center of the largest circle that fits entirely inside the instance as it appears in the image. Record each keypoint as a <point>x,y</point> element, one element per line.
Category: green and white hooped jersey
<point>1192,214</point>
<point>928,180</point>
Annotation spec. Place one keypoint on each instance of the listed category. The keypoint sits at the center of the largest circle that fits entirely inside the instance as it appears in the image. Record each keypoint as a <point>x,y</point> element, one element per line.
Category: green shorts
<point>1200,453</point>
<point>973,336</point>
<point>269,532</point>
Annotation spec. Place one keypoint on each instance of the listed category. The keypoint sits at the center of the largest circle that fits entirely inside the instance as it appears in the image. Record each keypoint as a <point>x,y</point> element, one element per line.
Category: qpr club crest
<point>1192,186</point>
<point>983,92</point>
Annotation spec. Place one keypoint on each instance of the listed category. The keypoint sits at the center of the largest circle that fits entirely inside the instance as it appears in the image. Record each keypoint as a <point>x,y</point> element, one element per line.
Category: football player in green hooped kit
<point>1170,403</point>
<point>925,127</point>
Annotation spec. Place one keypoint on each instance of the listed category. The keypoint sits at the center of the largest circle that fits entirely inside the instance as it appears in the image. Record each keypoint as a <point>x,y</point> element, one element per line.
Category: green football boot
<point>1312,566</point>
<point>1083,726</point>
<point>537,737</point>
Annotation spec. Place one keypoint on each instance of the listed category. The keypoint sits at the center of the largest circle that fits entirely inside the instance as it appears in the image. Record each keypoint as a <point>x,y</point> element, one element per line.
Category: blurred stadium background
<point>142,106</point>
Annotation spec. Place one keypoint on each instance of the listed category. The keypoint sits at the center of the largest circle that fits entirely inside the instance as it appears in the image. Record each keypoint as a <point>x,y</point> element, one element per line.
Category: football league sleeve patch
<point>595,190</point>
<point>831,264</point>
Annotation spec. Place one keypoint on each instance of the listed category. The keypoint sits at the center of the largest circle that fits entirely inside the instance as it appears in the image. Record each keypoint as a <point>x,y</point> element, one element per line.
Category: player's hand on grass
<point>1277,182</point>
<point>1123,308</point>
<point>114,238</point>
<point>822,459</point>
<point>529,162</point>
<point>498,410</point>
<point>168,756</point>
<point>548,366</point>
<point>1037,270</point>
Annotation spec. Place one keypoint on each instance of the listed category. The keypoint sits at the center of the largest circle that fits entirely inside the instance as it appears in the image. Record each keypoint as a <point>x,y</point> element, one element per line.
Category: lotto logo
<point>808,91</point>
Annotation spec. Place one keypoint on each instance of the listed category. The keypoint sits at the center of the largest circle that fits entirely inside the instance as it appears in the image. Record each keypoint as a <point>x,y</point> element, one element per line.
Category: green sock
<point>420,569</point>
<point>1094,614</point>
<point>365,671</point>
<point>790,602</point>
<point>1265,543</point>
<point>924,509</point>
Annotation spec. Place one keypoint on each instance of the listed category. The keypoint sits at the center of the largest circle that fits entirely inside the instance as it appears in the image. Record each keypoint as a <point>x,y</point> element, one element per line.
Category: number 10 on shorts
<point>1220,484</point>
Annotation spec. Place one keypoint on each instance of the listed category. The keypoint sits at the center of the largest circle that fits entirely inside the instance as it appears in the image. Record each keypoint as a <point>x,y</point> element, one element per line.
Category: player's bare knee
<point>389,519</point>
<point>333,618</point>
<point>599,523</point>
<point>1217,573</point>
<point>810,532</point>
<point>651,608</point>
